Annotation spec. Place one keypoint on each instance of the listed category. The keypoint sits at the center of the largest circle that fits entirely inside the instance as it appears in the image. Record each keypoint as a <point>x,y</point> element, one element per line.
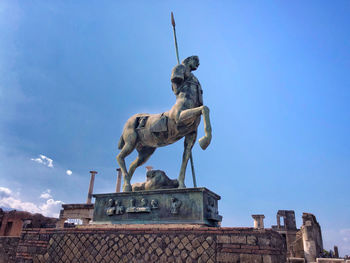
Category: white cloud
<point>49,208</point>
<point>5,192</point>
<point>69,172</point>
<point>46,194</point>
<point>12,202</point>
<point>43,160</point>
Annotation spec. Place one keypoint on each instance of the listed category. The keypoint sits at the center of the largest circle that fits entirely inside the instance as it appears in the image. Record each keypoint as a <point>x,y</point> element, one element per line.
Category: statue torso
<point>192,92</point>
<point>186,87</point>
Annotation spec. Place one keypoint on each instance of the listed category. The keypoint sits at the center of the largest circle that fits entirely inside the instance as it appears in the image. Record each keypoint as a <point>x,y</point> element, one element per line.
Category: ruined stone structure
<point>312,237</point>
<point>8,247</point>
<point>258,221</point>
<point>76,211</point>
<point>11,225</point>
<point>286,227</point>
<point>81,212</point>
<point>91,186</point>
<point>304,244</point>
<point>12,222</point>
<point>168,243</point>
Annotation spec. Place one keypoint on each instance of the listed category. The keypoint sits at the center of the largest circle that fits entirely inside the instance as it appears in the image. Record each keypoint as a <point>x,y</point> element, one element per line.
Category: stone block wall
<point>332,260</point>
<point>295,260</point>
<point>151,244</point>
<point>8,246</point>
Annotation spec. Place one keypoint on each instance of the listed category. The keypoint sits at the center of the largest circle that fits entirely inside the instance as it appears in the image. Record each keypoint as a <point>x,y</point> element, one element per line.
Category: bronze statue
<point>146,132</point>
<point>156,179</point>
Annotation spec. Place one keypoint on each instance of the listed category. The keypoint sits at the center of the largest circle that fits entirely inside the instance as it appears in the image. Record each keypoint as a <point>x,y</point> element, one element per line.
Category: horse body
<point>149,136</point>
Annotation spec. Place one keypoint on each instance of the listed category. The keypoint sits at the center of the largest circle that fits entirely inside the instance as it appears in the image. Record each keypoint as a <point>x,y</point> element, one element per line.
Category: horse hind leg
<point>190,139</point>
<point>128,147</point>
<point>144,154</point>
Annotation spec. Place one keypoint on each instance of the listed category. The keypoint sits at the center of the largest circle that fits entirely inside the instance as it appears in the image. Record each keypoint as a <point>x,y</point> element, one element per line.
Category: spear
<point>174,30</point>
<point>178,62</point>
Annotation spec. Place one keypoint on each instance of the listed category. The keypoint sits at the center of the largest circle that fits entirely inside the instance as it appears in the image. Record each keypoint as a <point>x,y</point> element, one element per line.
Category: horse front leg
<point>190,139</point>
<point>206,139</point>
<point>188,115</point>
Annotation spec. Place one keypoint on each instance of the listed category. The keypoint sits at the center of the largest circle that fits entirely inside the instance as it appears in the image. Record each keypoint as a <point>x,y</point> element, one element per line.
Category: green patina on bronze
<point>163,206</point>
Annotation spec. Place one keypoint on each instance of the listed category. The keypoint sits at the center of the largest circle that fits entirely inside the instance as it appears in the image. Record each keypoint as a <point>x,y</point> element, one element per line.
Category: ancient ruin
<point>304,243</point>
<point>12,222</point>
<point>40,241</point>
<point>12,225</point>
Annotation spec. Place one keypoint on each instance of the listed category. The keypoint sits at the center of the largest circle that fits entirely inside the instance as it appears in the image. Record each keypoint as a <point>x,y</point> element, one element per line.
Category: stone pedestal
<point>166,206</point>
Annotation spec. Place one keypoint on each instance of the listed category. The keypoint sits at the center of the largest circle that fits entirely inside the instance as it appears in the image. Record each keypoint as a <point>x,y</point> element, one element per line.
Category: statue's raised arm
<point>177,77</point>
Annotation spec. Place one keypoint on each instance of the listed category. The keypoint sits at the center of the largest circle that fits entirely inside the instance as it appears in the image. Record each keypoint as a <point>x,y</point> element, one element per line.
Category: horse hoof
<point>204,142</point>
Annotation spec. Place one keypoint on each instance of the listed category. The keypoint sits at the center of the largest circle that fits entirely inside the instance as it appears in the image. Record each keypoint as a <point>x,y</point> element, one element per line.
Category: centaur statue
<point>146,132</point>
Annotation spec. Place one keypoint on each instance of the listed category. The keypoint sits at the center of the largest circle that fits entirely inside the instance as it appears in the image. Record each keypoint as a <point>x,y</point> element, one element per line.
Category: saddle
<point>160,125</point>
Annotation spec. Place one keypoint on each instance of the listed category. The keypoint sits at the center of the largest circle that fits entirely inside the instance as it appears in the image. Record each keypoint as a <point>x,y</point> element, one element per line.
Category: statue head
<point>192,62</point>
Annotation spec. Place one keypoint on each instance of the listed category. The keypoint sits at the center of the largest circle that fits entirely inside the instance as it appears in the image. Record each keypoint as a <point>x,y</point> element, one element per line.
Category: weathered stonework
<point>332,260</point>
<point>151,244</point>
<point>312,237</point>
<point>304,245</point>
<point>76,211</point>
<point>8,246</point>
<point>12,222</point>
<point>295,260</point>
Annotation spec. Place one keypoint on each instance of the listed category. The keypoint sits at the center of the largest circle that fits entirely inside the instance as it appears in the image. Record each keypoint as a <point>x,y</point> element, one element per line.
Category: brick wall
<point>151,244</point>
<point>8,247</point>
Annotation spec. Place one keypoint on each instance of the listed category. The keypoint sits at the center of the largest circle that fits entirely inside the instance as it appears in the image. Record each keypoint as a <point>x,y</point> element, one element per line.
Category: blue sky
<point>275,75</point>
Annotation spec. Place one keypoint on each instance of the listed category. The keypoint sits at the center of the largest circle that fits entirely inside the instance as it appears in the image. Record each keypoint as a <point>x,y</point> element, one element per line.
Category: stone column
<point>91,187</point>
<point>308,243</point>
<point>336,252</point>
<point>119,180</point>
<point>258,221</point>
<point>312,237</point>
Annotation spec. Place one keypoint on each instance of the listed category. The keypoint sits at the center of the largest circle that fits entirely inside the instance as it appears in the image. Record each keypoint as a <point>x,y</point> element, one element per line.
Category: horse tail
<point>121,142</point>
